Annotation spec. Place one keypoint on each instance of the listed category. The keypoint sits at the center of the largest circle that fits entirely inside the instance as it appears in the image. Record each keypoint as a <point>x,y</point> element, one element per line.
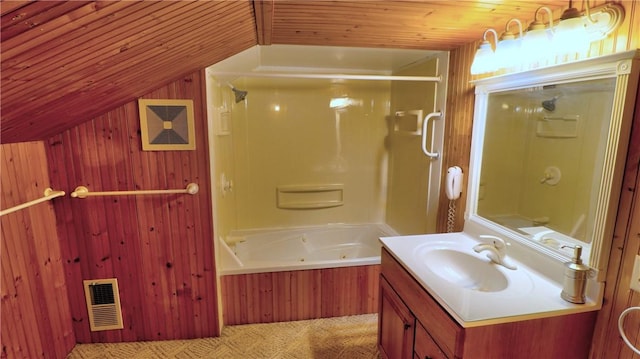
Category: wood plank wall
<point>36,318</point>
<point>159,247</point>
<point>299,295</point>
<point>607,342</point>
<point>460,100</point>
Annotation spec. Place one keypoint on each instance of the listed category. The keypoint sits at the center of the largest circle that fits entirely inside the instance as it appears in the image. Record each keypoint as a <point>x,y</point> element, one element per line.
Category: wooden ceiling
<point>65,62</point>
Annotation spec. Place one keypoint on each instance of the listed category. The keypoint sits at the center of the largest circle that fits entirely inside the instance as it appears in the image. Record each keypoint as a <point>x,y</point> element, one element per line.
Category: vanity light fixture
<point>484,60</point>
<point>603,21</point>
<point>576,30</point>
<point>571,33</point>
<point>509,48</point>
<point>538,40</point>
<point>540,44</point>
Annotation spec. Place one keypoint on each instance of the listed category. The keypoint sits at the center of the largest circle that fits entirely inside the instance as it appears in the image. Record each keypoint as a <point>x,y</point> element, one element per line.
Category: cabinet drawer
<point>425,347</point>
<point>442,328</point>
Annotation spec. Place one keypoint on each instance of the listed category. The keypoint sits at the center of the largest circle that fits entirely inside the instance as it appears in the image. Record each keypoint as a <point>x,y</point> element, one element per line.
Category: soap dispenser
<point>575,278</point>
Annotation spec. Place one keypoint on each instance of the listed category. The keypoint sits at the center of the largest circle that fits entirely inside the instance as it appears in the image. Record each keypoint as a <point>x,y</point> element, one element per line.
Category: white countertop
<point>528,294</point>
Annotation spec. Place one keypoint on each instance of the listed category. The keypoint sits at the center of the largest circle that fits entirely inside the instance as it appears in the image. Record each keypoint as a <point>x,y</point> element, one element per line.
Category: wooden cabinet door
<point>424,346</point>
<point>396,325</point>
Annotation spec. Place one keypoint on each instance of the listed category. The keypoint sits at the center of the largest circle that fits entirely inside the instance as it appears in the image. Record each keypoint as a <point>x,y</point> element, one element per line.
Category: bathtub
<point>300,248</point>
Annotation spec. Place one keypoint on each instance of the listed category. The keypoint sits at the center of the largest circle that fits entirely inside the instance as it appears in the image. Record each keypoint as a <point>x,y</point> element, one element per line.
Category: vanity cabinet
<point>413,325</point>
<point>424,346</point>
<point>399,330</point>
<point>396,324</point>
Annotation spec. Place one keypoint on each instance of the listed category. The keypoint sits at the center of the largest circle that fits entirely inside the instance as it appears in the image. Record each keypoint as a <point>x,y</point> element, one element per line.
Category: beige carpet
<point>352,337</point>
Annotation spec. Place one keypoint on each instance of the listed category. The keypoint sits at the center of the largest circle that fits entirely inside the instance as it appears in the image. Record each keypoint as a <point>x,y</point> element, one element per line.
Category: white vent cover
<point>103,304</point>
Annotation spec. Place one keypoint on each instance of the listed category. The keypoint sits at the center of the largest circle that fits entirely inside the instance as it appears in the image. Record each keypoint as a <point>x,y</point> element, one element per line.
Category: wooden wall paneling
<point>607,342</point>
<point>184,290</point>
<point>65,39</point>
<point>298,295</point>
<point>306,285</point>
<point>180,286</point>
<point>114,259</point>
<point>349,290</point>
<point>52,282</point>
<point>284,303</point>
<point>433,25</point>
<point>9,6</point>
<point>125,248</point>
<point>199,217</point>
<point>458,128</point>
<point>265,297</point>
<point>37,26</point>
<point>36,314</point>
<point>160,252</point>
<point>161,45</point>
<point>48,31</point>
<point>37,256</point>
<point>197,214</point>
<point>134,37</point>
<point>20,304</point>
<point>71,247</point>
<point>202,251</point>
<point>109,93</point>
<point>263,13</point>
<point>14,341</point>
<point>53,12</point>
<point>25,18</point>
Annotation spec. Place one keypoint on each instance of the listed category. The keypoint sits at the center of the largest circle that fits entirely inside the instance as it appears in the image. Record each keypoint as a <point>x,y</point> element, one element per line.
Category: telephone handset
<point>453,185</point>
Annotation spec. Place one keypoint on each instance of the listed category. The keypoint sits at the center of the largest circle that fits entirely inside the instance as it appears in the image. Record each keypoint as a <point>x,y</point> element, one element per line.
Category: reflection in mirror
<point>542,159</point>
<point>547,155</point>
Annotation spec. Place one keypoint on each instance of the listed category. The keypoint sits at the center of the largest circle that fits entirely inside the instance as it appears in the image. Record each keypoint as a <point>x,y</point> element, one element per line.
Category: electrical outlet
<point>635,275</point>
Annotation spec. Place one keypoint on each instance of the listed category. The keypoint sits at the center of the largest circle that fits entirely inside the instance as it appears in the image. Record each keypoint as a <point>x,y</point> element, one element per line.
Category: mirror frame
<point>622,66</point>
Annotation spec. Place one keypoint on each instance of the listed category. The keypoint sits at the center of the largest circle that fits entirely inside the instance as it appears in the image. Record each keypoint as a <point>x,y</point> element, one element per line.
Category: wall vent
<point>103,304</point>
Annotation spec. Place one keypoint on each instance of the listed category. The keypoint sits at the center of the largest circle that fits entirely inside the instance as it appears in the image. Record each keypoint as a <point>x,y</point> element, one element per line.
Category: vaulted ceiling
<point>65,62</point>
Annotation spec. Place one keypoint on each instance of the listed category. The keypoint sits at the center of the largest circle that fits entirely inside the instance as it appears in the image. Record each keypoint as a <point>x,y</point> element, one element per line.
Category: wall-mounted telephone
<point>453,184</point>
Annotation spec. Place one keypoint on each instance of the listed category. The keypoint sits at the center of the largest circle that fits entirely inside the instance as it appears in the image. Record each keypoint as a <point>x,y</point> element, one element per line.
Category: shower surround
<point>300,152</point>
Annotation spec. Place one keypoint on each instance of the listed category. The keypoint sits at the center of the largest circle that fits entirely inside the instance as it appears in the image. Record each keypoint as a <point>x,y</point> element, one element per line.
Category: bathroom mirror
<point>548,151</point>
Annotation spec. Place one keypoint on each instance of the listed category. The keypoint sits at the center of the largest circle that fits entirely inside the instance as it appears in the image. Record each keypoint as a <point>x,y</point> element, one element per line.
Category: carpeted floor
<point>352,337</point>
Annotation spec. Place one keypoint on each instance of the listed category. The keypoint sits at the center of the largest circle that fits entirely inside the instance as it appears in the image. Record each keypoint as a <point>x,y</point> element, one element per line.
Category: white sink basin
<point>474,290</point>
<point>464,270</point>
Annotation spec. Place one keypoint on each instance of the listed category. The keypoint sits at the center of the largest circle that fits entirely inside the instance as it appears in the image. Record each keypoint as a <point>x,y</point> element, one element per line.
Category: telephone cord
<point>451,216</point>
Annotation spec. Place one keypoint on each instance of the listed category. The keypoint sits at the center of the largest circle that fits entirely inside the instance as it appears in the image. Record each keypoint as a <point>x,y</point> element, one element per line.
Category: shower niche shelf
<point>309,196</point>
<point>558,127</point>
<point>408,122</point>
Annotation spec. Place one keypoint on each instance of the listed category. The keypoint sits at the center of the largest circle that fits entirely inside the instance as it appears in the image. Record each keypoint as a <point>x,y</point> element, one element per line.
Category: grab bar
<point>432,155</point>
<point>83,192</point>
<point>48,194</point>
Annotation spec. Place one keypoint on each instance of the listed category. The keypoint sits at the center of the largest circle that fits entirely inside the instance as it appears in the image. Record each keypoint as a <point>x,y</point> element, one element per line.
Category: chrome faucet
<point>497,251</point>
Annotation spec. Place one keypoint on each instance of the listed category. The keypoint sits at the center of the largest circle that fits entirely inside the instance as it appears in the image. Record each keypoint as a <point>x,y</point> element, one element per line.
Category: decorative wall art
<point>167,125</point>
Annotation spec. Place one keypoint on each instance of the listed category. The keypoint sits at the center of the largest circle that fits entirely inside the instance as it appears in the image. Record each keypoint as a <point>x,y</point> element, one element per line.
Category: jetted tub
<point>286,249</point>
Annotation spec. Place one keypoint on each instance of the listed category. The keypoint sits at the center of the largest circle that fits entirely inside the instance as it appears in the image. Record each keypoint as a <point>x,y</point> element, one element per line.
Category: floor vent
<point>103,304</point>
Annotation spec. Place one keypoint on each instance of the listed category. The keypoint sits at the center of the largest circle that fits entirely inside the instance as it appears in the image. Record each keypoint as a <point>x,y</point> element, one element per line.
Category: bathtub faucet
<point>497,250</point>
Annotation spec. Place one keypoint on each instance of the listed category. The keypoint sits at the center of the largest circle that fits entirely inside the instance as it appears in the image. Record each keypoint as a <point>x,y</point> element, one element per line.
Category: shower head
<point>239,94</point>
<point>550,105</point>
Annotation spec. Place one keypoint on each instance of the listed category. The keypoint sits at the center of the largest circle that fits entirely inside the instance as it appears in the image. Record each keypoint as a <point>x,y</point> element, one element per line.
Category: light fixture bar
<point>539,45</point>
